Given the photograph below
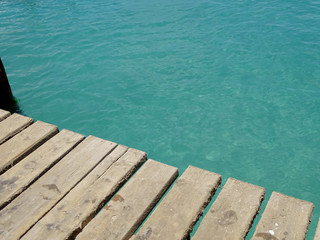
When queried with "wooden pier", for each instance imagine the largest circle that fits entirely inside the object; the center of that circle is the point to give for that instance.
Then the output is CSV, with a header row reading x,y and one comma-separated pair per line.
x,y
62,185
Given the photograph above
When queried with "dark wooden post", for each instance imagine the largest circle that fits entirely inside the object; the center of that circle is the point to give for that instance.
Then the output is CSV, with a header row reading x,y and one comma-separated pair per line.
x,y
7,101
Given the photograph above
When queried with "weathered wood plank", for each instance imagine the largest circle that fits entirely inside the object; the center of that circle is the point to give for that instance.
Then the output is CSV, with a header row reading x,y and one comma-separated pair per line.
x,y
284,218
16,179
177,213
317,234
126,211
32,204
232,213
12,125
24,142
73,212
4,114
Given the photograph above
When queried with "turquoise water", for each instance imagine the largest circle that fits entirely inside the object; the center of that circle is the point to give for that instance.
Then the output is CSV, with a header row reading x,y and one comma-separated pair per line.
x,y
229,86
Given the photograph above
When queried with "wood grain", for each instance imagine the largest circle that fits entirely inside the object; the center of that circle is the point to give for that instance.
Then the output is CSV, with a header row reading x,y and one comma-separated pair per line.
x,y
31,205
284,218
17,147
4,114
177,213
12,125
73,212
317,234
125,212
18,178
232,213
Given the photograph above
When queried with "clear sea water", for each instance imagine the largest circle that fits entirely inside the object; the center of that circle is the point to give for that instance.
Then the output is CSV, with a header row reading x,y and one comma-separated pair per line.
x,y
229,86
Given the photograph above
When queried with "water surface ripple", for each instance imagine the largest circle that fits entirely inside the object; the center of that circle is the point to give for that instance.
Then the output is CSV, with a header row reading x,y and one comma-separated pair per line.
x,y
229,86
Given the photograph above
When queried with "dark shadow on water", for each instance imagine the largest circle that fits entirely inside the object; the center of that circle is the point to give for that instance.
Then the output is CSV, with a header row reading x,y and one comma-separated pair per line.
x,y
7,100
12,106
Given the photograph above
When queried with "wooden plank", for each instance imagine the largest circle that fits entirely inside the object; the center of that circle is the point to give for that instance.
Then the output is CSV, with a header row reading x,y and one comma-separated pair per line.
x,y
317,234
73,212
4,114
23,143
12,125
31,205
16,179
127,210
232,213
177,213
284,218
